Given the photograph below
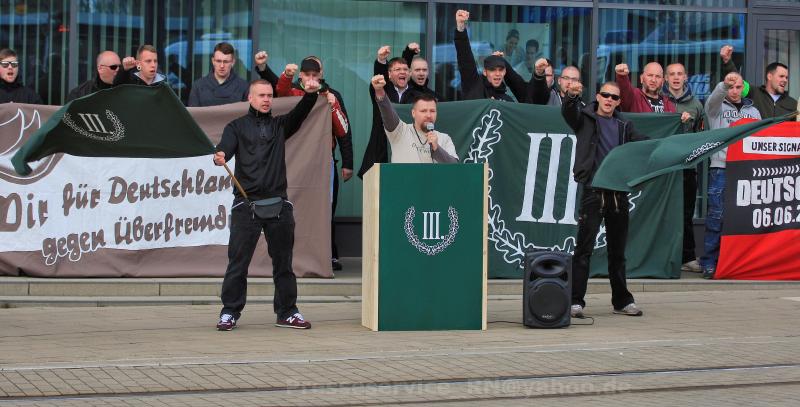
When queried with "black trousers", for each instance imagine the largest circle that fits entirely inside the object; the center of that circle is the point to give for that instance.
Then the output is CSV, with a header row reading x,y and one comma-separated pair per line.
x,y
689,197
245,232
598,205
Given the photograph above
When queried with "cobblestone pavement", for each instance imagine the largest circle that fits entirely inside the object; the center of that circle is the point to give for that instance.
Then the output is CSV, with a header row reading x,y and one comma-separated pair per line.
x,y
698,348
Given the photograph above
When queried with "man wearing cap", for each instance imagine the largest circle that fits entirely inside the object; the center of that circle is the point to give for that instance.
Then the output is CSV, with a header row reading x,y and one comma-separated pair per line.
x,y
417,142
11,89
221,86
108,65
473,86
311,69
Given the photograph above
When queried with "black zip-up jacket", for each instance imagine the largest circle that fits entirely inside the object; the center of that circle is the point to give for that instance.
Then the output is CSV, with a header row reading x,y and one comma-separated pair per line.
x,y
17,93
87,88
473,85
258,140
584,122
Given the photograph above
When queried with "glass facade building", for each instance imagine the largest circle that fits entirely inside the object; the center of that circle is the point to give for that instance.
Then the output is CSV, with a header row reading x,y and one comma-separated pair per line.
x,y
57,41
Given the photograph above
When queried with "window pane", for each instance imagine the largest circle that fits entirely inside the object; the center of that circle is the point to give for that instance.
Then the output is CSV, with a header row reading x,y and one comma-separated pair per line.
x,y
638,37
38,32
701,3
782,46
346,35
562,34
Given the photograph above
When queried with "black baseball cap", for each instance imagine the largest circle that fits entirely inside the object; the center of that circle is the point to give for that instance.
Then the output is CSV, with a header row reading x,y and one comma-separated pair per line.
x,y
494,62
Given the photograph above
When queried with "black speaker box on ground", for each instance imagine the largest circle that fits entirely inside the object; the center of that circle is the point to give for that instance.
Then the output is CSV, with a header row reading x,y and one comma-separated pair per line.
x,y
547,290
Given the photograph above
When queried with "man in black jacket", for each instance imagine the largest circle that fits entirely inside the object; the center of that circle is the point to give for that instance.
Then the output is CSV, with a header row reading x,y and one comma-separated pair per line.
x,y
11,90
221,86
598,129
108,65
473,86
258,142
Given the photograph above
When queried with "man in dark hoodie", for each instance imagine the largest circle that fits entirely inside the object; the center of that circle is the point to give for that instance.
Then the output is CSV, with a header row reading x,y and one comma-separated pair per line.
x,y
221,86
146,64
418,85
396,74
108,65
473,86
11,90
772,98
599,129
681,96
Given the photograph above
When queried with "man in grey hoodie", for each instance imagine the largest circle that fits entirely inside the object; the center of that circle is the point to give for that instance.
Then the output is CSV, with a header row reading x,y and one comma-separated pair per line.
x,y
724,107
675,88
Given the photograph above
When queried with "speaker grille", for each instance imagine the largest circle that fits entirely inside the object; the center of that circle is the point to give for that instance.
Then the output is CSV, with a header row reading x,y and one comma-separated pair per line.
x,y
548,303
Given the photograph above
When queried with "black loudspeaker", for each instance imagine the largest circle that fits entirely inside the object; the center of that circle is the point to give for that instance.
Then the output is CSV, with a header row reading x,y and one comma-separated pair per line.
x,y
547,291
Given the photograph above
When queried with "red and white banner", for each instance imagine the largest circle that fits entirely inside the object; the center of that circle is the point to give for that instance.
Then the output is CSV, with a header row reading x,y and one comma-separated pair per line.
x,y
761,216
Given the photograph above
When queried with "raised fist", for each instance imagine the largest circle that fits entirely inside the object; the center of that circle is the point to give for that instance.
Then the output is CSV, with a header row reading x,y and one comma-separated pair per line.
x,y
290,70
261,59
622,70
540,66
726,52
378,82
311,85
731,78
574,89
414,47
383,53
128,63
461,19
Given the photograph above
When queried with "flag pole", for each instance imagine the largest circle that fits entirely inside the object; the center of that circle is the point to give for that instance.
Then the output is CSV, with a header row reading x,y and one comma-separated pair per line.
x,y
235,181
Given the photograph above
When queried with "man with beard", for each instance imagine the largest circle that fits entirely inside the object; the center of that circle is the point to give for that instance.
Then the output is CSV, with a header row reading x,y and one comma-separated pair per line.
x,y
599,129
648,99
681,95
11,90
772,98
108,65
396,75
221,86
473,86
146,63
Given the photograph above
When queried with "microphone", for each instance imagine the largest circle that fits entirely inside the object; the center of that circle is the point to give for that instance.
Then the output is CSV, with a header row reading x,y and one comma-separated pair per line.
x,y
429,128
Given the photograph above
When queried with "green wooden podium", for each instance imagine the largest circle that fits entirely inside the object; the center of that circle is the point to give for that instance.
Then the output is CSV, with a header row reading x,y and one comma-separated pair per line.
x,y
424,247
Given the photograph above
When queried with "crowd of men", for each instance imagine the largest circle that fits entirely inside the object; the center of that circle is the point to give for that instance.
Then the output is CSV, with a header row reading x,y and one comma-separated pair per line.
x,y
259,137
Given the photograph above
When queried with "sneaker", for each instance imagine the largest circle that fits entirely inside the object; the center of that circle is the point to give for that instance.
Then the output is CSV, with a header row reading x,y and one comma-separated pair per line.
x,y
576,311
335,265
691,266
295,321
226,322
631,309
708,273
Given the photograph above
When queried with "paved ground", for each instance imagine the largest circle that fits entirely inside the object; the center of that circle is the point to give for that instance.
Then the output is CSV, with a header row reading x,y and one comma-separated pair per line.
x,y
690,348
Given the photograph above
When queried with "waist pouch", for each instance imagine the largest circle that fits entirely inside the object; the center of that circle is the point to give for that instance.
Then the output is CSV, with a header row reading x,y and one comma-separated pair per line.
x,y
269,208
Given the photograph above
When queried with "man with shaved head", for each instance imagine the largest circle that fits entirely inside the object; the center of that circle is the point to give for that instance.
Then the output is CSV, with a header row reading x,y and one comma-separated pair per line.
x,y
648,98
108,65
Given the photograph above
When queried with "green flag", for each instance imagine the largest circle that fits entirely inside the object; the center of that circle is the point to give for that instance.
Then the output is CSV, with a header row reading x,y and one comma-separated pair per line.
x,y
125,121
634,163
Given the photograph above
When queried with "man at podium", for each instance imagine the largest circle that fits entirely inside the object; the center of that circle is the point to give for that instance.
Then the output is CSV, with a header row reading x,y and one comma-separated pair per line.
x,y
417,142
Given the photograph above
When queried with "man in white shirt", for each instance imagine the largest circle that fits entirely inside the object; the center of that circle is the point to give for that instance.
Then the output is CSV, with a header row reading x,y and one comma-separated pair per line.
x,y
417,142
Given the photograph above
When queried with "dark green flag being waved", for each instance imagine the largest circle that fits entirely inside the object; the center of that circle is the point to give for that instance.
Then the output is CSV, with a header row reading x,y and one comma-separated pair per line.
x,y
126,121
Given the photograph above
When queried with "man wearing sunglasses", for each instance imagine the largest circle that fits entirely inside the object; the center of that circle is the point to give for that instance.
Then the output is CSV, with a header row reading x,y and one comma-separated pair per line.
x,y
599,129
108,64
11,90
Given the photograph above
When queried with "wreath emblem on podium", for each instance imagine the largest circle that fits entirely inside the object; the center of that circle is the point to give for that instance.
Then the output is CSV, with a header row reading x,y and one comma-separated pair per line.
x,y
424,248
512,245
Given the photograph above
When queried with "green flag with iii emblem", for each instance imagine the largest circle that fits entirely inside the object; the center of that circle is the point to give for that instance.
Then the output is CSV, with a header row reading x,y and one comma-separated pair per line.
x,y
533,198
125,121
